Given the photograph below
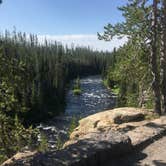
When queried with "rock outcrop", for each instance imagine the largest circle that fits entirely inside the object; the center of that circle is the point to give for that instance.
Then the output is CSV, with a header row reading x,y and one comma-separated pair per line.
x,y
96,149
107,120
101,137
20,158
138,124
147,132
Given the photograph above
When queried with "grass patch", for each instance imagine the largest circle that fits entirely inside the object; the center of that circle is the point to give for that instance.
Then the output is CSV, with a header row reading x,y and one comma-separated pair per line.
x,y
77,87
77,91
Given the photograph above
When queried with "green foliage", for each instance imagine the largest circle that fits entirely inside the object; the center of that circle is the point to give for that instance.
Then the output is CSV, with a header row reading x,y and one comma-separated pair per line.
x,y
73,125
33,79
130,63
59,144
115,90
129,74
77,91
77,84
77,87
132,100
43,145
105,82
34,76
144,26
14,137
136,24
151,116
149,104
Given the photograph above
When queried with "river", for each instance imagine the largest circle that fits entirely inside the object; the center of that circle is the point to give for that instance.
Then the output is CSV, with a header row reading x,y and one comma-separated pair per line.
x,y
95,97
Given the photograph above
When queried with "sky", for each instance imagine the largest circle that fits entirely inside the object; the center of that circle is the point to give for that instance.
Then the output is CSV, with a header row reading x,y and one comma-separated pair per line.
x,y
67,21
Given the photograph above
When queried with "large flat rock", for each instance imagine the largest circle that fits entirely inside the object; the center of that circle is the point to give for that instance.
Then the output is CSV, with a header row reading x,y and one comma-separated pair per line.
x,y
107,120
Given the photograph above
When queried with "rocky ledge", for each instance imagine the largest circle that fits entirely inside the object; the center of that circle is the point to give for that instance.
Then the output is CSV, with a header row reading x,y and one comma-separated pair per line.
x,y
100,138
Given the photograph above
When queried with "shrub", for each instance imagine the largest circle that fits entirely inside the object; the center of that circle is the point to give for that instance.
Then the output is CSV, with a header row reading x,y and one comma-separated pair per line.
x,y
14,137
77,91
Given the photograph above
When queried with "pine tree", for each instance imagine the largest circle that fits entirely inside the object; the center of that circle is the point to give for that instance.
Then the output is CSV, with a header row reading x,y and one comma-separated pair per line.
x,y
154,58
163,53
140,26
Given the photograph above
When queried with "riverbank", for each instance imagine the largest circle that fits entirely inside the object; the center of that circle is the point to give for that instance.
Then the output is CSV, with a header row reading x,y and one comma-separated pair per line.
x,y
103,138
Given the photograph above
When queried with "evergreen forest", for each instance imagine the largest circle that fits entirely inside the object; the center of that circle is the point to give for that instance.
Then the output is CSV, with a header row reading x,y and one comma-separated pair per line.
x,y
35,75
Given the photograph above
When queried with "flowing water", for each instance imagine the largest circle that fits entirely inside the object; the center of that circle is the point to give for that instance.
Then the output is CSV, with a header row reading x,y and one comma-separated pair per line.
x,y
95,97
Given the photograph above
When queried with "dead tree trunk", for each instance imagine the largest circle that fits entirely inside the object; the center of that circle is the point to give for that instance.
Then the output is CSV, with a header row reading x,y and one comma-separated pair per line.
x,y
153,61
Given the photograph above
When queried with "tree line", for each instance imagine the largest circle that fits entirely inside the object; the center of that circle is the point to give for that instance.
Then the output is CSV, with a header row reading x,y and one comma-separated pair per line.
x,y
34,76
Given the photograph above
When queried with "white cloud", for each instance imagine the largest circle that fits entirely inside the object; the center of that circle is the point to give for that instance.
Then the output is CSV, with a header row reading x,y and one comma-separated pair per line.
x,y
85,40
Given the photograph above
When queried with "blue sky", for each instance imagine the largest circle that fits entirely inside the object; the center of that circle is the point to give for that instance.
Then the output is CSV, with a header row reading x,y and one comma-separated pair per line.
x,y
64,20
